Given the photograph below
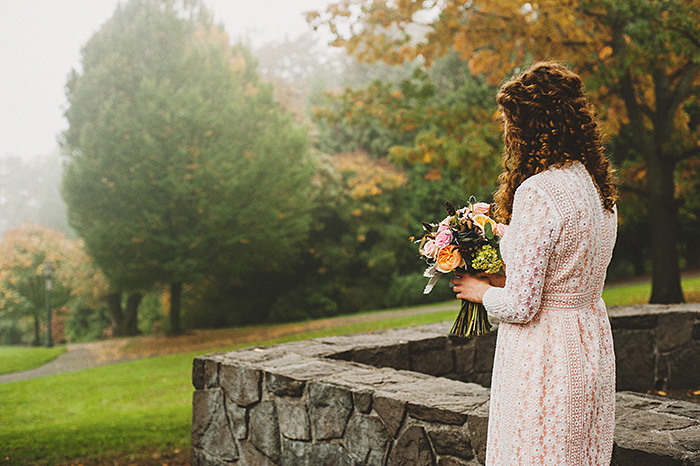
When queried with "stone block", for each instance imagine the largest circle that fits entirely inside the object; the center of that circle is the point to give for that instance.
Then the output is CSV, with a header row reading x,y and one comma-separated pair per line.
x,y
674,331
199,457
367,439
391,411
450,461
464,357
635,322
451,441
264,430
362,400
434,414
293,419
251,456
282,385
295,453
210,429
237,420
684,367
240,383
477,426
428,343
198,373
394,356
211,373
433,362
412,448
485,349
635,360
330,407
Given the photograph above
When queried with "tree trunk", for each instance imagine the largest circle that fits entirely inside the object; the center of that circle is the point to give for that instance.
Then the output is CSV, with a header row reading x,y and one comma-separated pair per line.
x,y
124,322
666,275
175,304
131,314
36,328
116,316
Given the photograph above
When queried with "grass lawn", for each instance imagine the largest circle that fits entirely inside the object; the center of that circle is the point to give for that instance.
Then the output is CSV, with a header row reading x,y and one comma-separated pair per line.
x,y
119,409
145,406
22,358
639,294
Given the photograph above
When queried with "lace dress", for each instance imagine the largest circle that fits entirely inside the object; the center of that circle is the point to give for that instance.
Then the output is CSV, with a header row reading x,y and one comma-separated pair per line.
x,y
553,386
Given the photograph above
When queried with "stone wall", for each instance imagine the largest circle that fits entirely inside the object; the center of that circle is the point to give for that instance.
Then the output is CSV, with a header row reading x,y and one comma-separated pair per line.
x,y
403,397
657,346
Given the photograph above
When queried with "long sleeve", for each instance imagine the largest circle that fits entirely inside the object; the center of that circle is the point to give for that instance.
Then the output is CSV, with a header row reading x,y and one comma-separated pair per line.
x,y
534,228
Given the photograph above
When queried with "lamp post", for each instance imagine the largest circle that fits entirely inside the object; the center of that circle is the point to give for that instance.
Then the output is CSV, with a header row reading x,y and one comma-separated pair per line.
x,y
48,269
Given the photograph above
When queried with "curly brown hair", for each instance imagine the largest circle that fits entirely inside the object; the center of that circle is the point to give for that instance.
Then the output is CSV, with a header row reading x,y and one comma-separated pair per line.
x,y
548,121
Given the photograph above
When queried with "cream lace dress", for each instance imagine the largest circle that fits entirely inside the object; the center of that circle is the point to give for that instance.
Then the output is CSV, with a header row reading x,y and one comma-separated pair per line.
x,y
553,387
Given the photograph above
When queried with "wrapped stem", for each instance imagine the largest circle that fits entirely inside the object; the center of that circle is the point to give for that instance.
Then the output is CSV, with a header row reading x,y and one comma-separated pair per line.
x,y
471,321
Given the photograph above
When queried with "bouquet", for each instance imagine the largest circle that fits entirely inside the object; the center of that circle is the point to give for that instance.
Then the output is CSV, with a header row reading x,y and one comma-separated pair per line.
x,y
467,239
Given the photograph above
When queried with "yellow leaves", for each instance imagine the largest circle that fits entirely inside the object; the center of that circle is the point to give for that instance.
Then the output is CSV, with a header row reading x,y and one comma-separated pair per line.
x,y
367,176
605,52
250,90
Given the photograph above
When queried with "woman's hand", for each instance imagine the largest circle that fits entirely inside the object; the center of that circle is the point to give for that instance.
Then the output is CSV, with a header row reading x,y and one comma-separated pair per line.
x,y
470,287
495,279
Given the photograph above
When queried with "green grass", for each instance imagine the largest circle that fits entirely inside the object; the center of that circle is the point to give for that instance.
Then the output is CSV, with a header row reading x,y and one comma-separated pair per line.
x,y
139,406
20,358
639,294
121,408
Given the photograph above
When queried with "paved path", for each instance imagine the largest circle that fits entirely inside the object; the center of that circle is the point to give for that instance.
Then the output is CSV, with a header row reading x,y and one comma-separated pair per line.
x,y
86,355
78,356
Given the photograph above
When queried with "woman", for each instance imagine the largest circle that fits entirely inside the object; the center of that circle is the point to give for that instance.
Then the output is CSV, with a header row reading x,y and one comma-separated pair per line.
x,y
553,387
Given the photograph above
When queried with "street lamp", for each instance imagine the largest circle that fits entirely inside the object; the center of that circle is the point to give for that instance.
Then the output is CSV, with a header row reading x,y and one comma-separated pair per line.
x,y
48,269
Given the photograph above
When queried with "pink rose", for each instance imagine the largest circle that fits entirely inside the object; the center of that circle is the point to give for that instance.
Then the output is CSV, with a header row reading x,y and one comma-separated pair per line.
x,y
480,207
443,238
443,226
429,249
501,229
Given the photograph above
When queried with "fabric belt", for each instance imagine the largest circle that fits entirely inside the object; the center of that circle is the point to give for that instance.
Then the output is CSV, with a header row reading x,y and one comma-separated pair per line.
x,y
567,301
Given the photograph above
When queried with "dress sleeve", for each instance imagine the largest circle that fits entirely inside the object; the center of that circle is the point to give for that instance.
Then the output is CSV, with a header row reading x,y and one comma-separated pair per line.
x,y
534,228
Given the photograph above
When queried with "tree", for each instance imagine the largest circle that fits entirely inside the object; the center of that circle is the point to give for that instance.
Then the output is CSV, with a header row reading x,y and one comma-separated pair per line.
x,y
181,165
24,251
441,117
640,58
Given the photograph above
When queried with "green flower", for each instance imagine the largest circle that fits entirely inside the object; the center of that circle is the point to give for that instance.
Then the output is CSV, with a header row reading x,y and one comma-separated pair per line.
x,y
487,259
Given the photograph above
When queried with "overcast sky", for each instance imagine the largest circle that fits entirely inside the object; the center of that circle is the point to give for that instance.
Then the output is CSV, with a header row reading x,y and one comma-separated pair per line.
x,y
40,42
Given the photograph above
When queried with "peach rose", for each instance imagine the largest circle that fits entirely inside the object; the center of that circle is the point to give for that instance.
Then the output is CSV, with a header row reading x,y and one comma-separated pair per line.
x,y
481,207
448,259
443,238
429,249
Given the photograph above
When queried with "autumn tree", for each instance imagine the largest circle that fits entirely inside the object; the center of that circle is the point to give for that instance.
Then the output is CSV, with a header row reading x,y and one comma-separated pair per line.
x,y
24,251
640,59
443,117
181,165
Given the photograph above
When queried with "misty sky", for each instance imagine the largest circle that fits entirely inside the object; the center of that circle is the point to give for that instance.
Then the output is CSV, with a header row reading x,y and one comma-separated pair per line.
x,y
40,42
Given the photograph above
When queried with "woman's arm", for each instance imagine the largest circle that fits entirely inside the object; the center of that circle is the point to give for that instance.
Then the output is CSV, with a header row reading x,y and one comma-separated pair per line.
x,y
533,231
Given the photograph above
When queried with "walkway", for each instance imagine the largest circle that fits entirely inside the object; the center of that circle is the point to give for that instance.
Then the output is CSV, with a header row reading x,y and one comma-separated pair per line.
x,y
86,355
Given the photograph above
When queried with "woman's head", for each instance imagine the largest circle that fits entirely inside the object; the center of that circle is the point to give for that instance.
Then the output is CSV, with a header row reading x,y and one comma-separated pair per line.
x,y
548,121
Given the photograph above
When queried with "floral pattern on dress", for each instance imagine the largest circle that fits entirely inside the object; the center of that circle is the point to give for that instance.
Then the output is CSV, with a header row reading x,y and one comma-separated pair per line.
x,y
553,386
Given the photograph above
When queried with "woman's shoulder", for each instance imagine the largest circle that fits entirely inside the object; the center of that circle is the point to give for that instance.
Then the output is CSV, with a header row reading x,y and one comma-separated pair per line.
x,y
552,186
